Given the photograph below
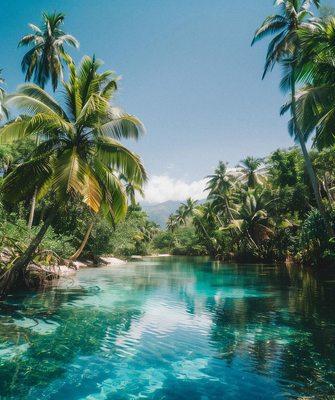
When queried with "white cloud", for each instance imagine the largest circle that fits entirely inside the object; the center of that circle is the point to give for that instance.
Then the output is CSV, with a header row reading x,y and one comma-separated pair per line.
x,y
161,188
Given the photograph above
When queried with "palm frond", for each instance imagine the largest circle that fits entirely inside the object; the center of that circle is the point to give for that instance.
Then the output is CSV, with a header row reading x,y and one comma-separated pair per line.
x,y
21,182
121,126
271,25
113,154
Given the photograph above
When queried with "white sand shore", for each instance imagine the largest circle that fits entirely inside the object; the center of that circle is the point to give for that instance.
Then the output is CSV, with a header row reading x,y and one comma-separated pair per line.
x,y
109,261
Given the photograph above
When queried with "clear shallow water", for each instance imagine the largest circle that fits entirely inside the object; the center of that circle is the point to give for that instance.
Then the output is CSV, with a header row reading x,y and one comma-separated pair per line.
x,y
172,329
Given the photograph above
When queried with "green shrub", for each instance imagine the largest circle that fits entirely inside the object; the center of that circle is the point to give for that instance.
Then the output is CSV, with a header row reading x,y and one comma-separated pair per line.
x,y
316,248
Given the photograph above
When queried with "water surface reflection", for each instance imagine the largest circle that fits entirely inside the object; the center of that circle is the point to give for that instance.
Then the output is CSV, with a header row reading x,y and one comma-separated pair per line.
x,y
172,329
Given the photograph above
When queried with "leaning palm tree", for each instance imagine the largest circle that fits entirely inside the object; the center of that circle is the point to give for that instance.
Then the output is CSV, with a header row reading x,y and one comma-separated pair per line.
x,y
78,154
284,49
45,59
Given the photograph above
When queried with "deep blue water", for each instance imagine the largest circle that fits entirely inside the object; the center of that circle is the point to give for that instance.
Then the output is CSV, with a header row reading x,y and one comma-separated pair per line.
x,y
172,329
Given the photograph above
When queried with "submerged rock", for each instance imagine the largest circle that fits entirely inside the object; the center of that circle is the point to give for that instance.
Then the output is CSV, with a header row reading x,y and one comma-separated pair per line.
x,y
51,271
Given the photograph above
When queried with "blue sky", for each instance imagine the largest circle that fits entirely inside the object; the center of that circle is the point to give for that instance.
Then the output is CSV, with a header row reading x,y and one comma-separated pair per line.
x,y
188,72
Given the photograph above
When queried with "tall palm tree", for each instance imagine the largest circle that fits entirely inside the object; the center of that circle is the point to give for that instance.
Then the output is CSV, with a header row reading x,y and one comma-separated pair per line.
x,y
3,108
44,60
315,100
219,186
284,49
172,223
79,154
251,171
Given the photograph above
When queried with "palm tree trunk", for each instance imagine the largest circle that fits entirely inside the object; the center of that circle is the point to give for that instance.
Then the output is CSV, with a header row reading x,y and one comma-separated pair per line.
x,y
213,249
83,243
228,209
33,199
251,239
23,261
15,277
32,209
326,189
220,222
308,162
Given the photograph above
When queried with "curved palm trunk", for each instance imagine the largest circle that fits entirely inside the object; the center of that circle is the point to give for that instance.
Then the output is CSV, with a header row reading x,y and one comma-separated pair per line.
x,y
32,209
308,162
213,250
228,209
83,243
251,239
15,277
220,222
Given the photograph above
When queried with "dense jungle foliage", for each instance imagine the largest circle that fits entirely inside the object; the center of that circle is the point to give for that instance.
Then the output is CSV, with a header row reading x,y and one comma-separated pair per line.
x,y
67,180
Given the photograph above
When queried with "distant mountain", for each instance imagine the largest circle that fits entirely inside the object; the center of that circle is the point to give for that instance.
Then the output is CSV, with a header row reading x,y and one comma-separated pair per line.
x,y
160,212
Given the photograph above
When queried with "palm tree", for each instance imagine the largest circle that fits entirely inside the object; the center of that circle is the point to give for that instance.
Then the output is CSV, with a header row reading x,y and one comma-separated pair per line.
x,y
192,211
79,154
220,181
202,217
83,243
44,60
219,186
181,215
284,49
315,101
251,171
172,223
252,216
189,207
131,190
3,107
147,232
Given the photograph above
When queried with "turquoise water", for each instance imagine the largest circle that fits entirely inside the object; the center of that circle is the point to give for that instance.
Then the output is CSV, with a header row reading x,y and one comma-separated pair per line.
x,y
172,329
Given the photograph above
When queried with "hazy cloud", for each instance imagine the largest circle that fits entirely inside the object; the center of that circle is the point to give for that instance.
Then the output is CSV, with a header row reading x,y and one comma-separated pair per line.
x,y
162,188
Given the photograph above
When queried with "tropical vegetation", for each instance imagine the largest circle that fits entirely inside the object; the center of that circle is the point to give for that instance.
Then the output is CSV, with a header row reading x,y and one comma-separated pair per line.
x,y
75,155
282,207
70,188
274,220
